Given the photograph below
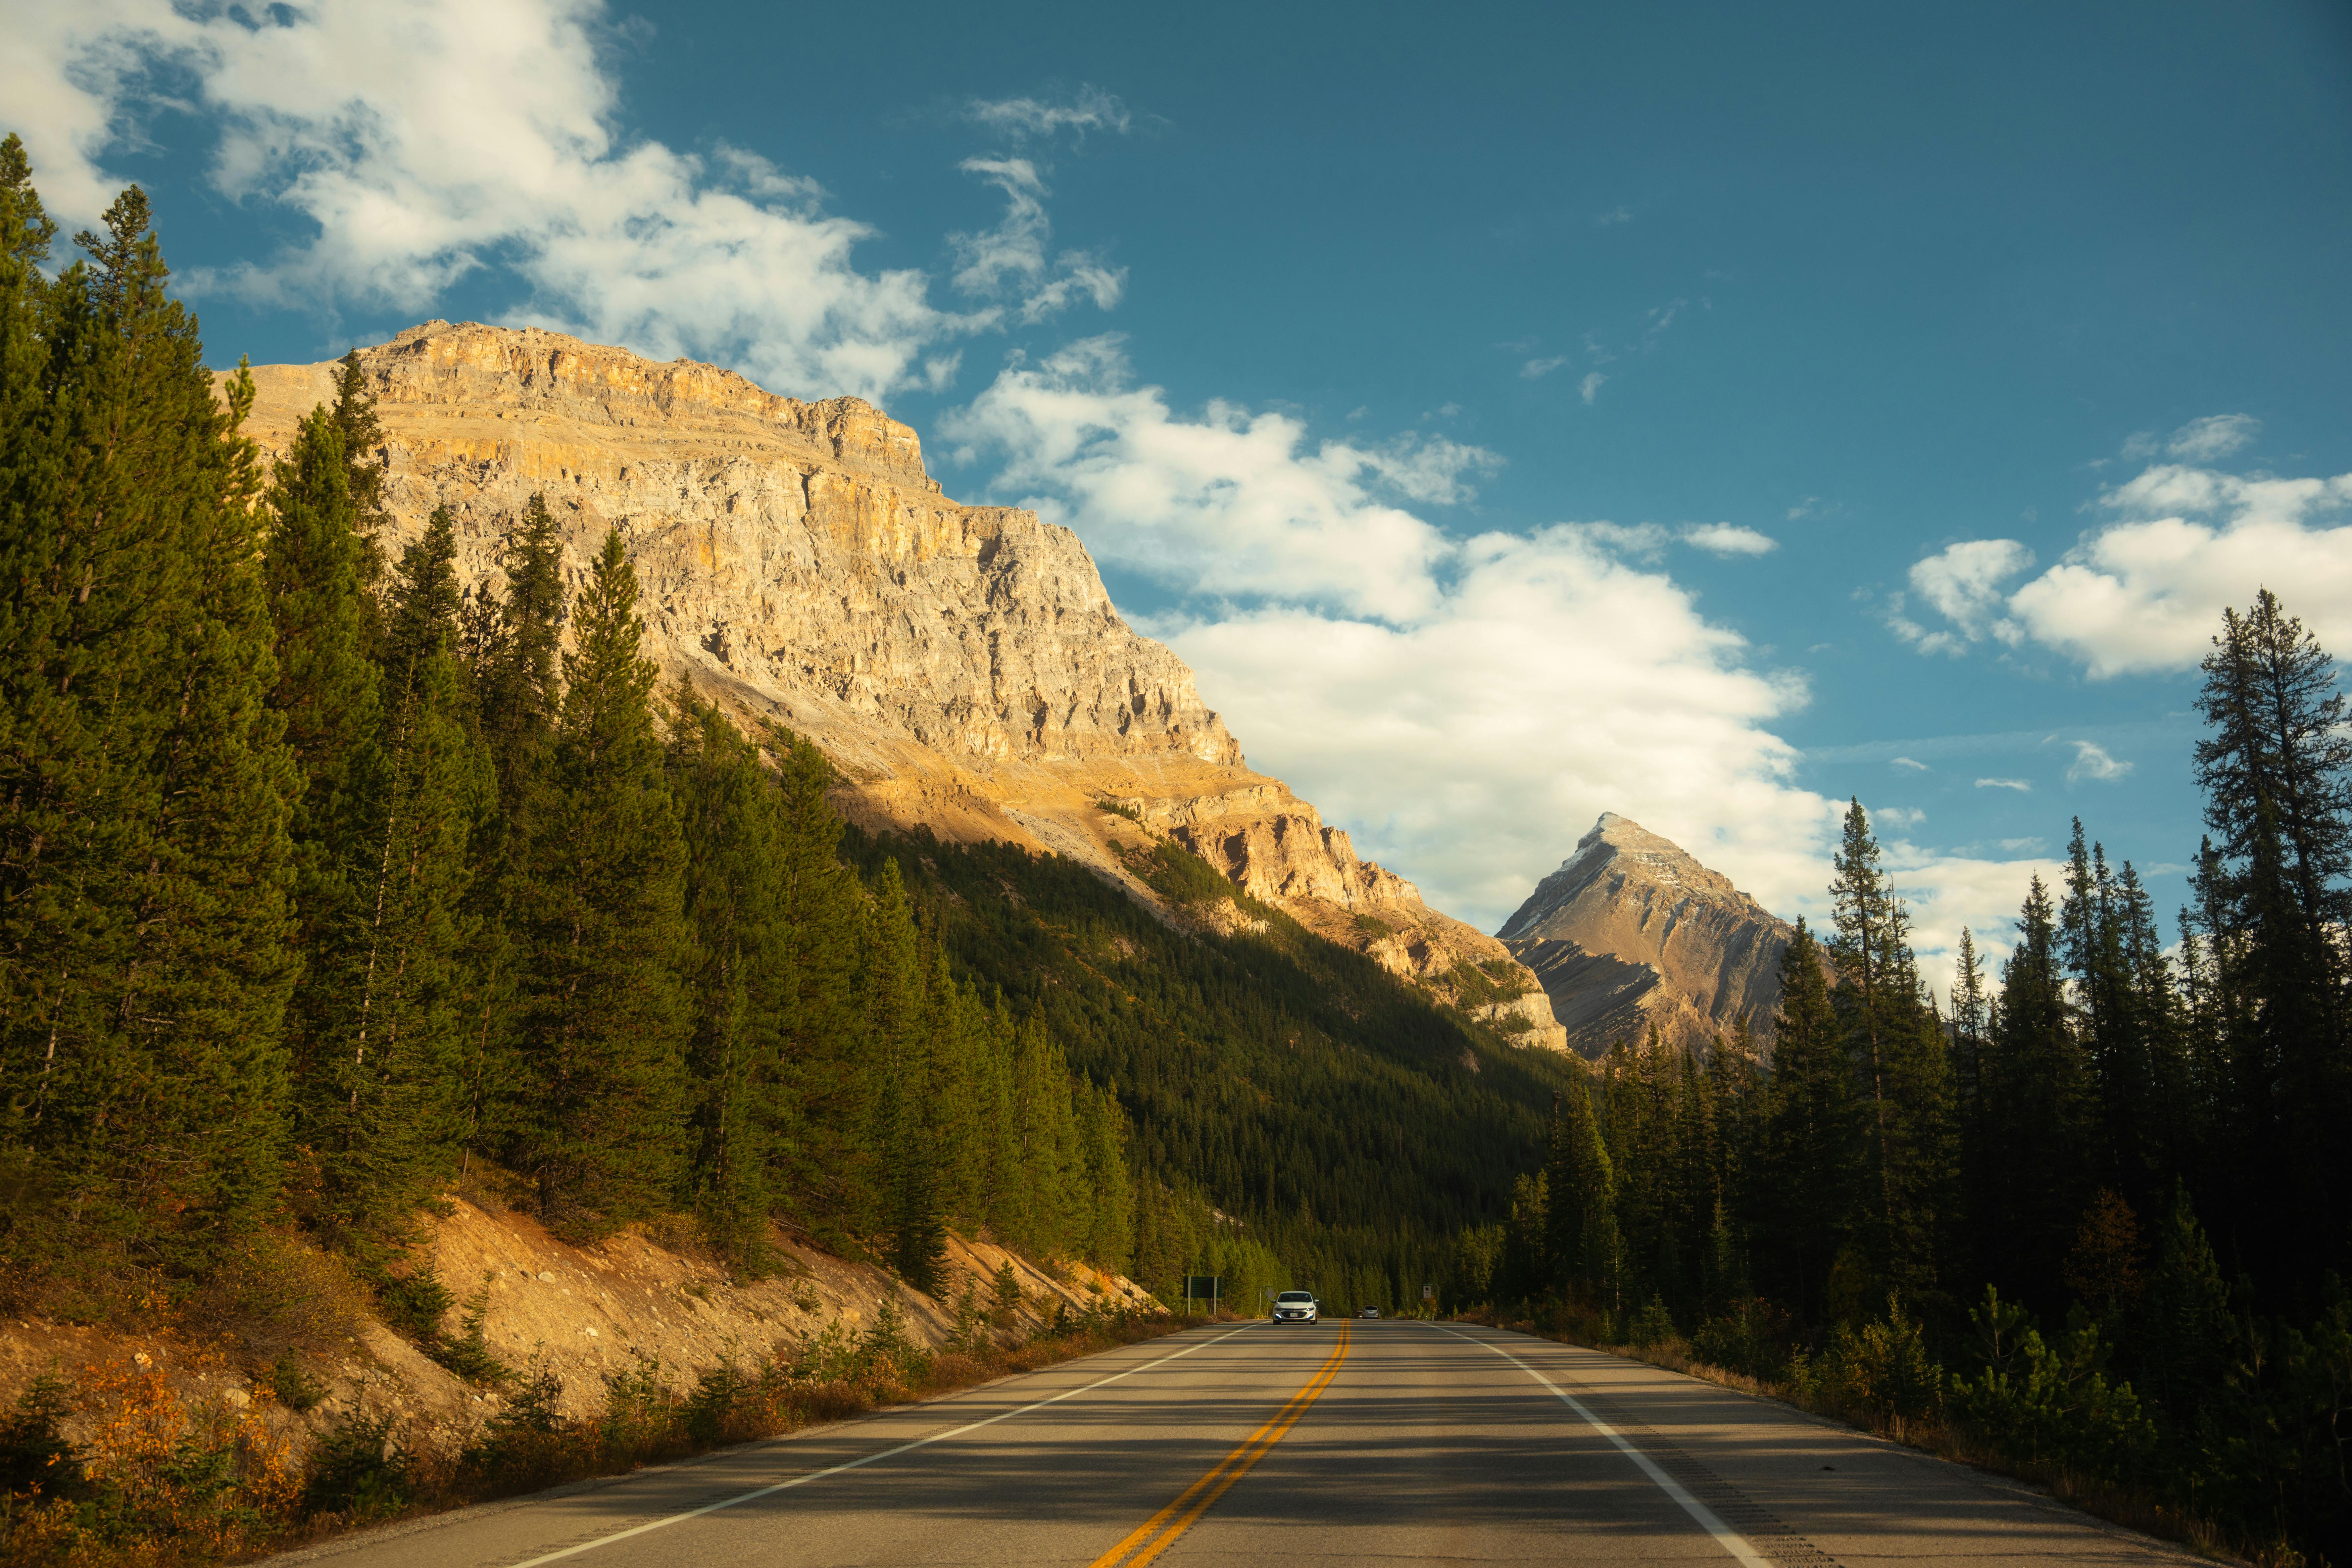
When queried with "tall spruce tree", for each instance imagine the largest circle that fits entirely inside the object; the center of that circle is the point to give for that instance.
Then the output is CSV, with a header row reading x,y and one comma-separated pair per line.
x,y
733,897
598,1118
143,866
2276,773
381,1104
1806,1189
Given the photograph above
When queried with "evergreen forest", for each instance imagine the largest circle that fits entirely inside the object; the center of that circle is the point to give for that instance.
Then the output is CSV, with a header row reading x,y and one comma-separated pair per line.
x,y
327,881
2090,1207
323,879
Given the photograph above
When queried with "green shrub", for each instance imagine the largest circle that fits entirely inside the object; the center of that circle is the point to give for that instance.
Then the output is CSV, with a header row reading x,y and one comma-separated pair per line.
x,y
359,1470
2041,1403
1883,1369
1651,1325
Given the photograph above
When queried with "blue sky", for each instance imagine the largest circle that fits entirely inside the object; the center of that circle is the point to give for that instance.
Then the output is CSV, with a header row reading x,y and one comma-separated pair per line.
x,y
1701,412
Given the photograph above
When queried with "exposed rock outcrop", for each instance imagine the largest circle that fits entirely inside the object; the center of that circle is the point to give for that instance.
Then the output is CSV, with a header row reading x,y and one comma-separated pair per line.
x,y
963,666
1631,931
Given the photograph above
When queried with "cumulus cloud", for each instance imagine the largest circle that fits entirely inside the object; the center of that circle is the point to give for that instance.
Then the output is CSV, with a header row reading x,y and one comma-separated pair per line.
x,y
2024,785
1590,387
430,141
2091,761
1230,503
1728,538
1963,583
2143,590
1090,109
1466,705
2146,591
1948,892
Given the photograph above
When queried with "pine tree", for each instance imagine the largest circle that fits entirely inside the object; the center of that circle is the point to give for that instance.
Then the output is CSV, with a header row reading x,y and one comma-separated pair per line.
x,y
2276,773
364,465
143,863
381,1105
1806,1188
1103,1139
326,696
2040,1112
902,1159
1580,1210
602,1097
734,892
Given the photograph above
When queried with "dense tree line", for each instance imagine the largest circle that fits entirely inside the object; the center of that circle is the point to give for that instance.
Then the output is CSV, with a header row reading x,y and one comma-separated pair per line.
x,y
2147,1145
321,877
1300,1115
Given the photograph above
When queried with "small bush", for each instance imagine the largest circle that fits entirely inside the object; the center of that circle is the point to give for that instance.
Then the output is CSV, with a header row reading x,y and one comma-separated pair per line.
x,y
294,1388
1651,1325
414,1303
469,1355
359,1471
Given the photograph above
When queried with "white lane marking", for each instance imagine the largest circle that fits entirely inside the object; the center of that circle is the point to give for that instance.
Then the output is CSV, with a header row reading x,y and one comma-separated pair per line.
x,y
1731,1539
868,1459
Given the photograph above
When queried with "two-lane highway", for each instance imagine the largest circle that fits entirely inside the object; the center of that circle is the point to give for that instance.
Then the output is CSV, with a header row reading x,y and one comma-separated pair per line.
x,y
1395,1442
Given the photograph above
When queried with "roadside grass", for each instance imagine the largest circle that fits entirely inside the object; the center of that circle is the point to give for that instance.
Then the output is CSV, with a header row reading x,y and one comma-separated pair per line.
x,y
160,1482
2133,1508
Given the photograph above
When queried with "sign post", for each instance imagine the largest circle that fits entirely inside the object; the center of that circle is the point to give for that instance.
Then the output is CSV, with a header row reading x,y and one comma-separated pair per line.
x,y
1207,1284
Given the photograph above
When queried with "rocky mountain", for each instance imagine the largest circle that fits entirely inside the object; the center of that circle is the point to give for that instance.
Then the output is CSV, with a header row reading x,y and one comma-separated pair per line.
x,y
963,666
1631,930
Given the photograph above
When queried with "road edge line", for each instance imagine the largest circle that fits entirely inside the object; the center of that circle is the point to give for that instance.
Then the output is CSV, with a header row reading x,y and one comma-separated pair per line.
x,y
1731,1539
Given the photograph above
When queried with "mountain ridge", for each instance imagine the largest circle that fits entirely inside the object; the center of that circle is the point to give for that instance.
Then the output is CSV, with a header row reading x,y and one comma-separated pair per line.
x,y
962,665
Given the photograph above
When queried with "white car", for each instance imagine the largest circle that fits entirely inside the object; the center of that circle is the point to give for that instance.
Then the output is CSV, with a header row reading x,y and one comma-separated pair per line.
x,y
1296,1307
1371,1311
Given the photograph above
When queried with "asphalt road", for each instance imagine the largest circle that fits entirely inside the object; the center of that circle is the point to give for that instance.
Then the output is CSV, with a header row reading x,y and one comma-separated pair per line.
x,y
1393,1442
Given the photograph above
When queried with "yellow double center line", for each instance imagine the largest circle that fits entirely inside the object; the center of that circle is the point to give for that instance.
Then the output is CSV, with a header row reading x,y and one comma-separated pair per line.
x,y
1158,1533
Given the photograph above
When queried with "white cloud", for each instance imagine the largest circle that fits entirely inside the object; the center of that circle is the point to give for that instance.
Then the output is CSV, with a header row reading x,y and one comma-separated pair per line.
x,y
1015,252
1613,216
2091,761
1465,705
2147,592
1090,109
1947,892
1590,387
1963,581
1535,369
2022,784
1908,762
2215,436
432,140
1226,504
1727,539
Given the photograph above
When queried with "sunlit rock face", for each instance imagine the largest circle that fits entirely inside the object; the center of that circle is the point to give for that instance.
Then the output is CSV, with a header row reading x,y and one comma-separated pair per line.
x,y
1631,931
963,666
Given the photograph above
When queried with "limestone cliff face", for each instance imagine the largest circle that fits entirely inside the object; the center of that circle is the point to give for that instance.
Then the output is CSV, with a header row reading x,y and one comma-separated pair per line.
x,y
963,666
1630,931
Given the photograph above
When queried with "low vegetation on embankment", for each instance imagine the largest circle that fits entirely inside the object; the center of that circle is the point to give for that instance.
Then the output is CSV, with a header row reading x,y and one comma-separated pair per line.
x,y
274,1408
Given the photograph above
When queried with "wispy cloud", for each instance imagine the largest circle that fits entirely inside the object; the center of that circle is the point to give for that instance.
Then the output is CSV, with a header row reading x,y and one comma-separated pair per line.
x,y
2215,436
1613,217
2093,762
1020,119
1728,538
1590,387
2020,784
1012,257
1909,763
1962,582
1535,369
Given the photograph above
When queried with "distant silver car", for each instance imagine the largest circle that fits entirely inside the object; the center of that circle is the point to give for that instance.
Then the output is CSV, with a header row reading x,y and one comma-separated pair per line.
x,y
1371,1312
1296,1307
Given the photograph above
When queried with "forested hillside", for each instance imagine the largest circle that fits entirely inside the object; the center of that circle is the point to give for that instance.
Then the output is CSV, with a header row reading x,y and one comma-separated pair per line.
x,y
324,879
2142,1148
319,878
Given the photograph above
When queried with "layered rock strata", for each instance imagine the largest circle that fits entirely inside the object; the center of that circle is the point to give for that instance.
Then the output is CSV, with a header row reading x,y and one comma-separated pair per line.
x,y
1631,931
963,666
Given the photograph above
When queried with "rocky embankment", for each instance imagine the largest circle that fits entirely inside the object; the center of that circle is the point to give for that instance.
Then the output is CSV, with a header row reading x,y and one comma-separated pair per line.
x,y
583,1313
1632,932
963,666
